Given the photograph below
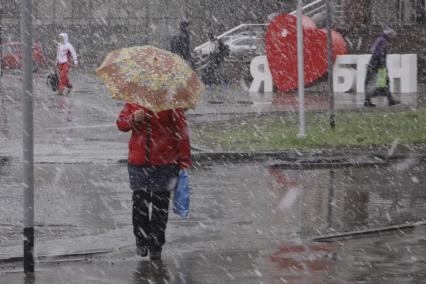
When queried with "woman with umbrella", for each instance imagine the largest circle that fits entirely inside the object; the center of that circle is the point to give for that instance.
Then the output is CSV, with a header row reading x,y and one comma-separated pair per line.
x,y
157,86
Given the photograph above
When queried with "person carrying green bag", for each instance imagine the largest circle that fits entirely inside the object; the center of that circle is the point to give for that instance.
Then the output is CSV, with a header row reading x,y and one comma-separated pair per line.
x,y
377,80
382,78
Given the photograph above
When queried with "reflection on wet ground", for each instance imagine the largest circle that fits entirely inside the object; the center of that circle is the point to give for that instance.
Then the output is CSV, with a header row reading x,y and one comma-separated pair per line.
x,y
153,272
234,99
249,223
353,198
396,258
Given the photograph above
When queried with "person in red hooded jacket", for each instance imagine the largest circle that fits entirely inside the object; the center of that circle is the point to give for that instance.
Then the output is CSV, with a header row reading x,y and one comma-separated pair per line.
x,y
159,148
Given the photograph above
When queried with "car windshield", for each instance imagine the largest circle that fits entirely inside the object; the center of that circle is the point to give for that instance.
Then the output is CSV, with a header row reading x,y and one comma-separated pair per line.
x,y
246,41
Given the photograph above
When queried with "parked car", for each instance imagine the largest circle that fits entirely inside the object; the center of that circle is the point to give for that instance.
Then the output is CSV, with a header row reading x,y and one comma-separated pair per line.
x,y
254,33
204,51
239,46
11,55
244,46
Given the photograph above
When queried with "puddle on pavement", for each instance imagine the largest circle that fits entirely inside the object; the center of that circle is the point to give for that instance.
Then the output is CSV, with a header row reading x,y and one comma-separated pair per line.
x,y
348,199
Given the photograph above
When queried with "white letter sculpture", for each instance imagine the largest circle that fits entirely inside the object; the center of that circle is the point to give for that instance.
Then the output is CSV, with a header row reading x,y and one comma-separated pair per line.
x,y
402,69
350,71
344,76
259,70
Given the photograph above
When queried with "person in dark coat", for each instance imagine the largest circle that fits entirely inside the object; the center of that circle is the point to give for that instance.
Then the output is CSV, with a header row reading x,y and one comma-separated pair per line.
x,y
378,60
223,52
180,43
209,65
159,148
213,70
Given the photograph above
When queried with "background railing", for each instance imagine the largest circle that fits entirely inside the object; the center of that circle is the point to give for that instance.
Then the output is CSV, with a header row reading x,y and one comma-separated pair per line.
x,y
312,9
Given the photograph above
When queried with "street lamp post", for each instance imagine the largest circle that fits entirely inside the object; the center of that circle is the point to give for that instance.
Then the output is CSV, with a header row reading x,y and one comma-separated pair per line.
x,y
1,53
301,75
332,110
1,41
28,133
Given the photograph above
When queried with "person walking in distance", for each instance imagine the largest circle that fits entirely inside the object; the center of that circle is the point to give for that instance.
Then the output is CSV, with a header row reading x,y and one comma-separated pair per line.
x,y
377,81
180,43
65,53
158,149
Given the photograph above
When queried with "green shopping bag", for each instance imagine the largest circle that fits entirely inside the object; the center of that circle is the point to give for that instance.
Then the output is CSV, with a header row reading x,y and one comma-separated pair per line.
x,y
382,76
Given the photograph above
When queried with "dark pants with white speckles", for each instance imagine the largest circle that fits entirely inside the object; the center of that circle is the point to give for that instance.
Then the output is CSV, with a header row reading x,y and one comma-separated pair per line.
x,y
150,230
151,185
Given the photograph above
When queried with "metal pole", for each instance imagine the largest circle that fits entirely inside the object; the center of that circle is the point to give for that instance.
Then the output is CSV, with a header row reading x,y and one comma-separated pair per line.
x,y
331,199
301,212
28,137
147,22
330,67
1,41
301,75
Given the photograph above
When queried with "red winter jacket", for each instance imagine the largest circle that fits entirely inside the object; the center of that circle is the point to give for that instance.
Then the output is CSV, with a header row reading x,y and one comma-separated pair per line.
x,y
161,139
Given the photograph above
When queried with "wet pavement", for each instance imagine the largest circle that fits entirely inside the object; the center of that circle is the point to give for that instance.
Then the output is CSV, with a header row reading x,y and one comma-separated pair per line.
x,y
394,259
247,225
75,128
250,222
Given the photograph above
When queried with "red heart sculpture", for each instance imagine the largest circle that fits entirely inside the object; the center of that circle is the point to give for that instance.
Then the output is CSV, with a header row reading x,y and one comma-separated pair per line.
x,y
281,51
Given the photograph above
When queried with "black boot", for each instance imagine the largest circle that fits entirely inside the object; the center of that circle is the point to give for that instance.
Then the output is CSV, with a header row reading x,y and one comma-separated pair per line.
x,y
142,251
141,248
155,253
368,103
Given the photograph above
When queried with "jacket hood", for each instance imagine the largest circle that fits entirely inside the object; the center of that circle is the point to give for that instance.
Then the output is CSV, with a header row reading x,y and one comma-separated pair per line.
x,y
388,31
64,36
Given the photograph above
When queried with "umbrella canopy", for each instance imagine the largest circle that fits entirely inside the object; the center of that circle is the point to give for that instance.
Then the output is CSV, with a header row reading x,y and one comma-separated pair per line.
x,y
151,77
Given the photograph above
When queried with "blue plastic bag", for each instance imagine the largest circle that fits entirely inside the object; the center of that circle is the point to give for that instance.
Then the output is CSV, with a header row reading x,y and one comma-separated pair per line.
x,y
182,195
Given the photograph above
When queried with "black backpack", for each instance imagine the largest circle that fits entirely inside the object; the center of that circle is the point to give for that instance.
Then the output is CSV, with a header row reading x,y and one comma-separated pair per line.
x,y
53,81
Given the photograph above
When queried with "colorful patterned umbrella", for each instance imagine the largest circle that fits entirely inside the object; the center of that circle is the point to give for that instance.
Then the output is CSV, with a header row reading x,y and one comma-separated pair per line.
x,y
151,77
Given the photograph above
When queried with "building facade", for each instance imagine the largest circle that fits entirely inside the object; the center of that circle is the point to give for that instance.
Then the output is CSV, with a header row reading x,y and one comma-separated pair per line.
x,y
98,26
